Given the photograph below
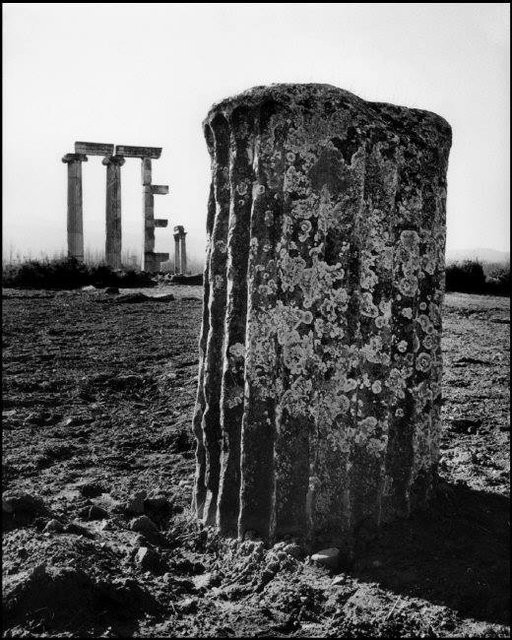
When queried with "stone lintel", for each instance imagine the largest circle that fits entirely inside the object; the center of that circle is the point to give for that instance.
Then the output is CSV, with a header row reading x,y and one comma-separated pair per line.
x,y
139,152
74,157
160,189
94,148
160,222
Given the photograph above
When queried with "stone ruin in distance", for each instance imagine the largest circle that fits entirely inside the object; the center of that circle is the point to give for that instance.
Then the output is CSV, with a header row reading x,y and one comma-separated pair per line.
x,y
114,160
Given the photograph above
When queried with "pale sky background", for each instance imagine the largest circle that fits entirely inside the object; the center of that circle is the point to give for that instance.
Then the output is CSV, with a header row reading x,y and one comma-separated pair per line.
x,y
146,74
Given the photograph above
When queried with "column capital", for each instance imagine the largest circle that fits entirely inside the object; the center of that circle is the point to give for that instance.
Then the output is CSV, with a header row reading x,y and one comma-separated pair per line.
x,y
74,157
119,160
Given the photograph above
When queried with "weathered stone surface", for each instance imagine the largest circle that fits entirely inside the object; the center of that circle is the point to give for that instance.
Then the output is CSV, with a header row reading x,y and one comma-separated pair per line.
x,y
318,407
177,247
151,260
94,148
139,152
146,171
113,211
75,225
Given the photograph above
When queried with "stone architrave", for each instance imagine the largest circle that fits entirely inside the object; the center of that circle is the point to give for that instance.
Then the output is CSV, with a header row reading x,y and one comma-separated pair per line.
x,y
113,211
94,148
75,225
138,152
319,397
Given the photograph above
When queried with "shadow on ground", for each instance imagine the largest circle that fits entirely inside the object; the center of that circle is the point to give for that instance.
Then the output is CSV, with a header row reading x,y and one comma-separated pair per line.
x,y
456,555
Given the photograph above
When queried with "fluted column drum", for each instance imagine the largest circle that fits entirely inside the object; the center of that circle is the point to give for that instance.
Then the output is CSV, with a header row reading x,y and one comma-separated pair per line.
x,y
318,407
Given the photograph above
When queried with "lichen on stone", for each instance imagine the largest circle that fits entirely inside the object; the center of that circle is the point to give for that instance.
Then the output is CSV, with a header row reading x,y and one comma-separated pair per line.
x,y
328,241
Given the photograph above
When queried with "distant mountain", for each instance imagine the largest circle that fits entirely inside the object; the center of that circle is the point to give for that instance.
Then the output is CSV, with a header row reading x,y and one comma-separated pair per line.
x,y
482,255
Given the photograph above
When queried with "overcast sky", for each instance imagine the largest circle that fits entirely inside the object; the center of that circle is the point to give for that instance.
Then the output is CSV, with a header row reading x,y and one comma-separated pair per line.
x,y
146,74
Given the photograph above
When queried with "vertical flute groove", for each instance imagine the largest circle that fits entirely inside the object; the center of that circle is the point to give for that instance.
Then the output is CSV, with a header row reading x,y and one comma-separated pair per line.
x,y
217,307
241,178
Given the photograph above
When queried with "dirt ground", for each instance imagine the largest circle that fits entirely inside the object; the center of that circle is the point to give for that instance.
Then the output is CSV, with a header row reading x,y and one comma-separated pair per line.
x,y
97,404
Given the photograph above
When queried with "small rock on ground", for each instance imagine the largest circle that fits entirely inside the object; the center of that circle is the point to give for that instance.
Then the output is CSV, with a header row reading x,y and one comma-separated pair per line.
x,y
143,524
148,560
329,558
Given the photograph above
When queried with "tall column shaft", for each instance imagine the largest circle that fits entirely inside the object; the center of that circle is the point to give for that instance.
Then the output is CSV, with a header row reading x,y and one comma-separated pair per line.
x,y
183,254
75,230
177,259
146,171
318,406
148,248
151,260
113,211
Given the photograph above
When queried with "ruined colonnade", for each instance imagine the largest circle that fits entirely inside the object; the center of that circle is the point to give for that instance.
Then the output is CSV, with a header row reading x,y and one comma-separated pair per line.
x,y
113,162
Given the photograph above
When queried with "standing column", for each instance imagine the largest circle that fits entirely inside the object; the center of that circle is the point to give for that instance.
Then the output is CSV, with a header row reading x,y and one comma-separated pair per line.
x,y
75,213
177,249
148,250
146,172
113,211
183,253
151,260
148,208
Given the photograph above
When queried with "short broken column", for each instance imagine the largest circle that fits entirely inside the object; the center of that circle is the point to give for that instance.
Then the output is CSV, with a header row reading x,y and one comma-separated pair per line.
x,y
319,396
113,211
75,225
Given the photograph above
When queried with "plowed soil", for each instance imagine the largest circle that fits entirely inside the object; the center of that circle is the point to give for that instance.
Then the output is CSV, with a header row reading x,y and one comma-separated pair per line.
x,y
98,398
